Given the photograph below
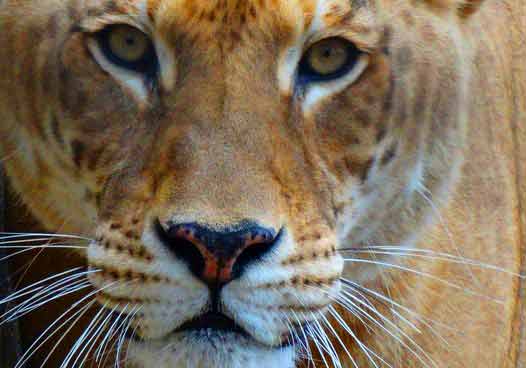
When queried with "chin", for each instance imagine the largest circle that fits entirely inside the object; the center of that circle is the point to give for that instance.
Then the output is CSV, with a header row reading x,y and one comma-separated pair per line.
x,y
208,348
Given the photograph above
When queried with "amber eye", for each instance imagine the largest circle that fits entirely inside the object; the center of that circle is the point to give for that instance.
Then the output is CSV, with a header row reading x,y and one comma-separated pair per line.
x,y
128,47
328,59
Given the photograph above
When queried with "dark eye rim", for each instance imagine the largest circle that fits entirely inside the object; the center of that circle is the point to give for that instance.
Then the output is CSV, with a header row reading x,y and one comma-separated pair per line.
x,y
147,65
306,74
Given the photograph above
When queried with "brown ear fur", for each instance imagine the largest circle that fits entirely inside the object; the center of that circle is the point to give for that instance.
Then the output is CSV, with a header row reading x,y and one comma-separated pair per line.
x,y
465,8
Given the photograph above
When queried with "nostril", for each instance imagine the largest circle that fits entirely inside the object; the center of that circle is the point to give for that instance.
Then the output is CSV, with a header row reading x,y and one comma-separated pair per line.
x,y
259,244
180,241
217,257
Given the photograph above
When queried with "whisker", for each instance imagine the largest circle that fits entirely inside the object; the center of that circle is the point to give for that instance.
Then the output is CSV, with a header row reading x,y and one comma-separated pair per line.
x,y
319,336
423,319
5,258
28,248
405,320
356,312
82,339
42,294
422,190
79,315
93,340
79,285
300,325
367,351
28,267
387,283
4,243
374,354
306,339
10,235
293,341
429,254
31,350
132,334
351,307
54,245
115,335
123,334
326,342
349,330
26,289
345,299
296,340
314,337
424,274
110,333
331,328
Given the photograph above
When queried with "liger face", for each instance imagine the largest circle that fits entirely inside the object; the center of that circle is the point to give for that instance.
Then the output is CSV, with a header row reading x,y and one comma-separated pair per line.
x,y
225,152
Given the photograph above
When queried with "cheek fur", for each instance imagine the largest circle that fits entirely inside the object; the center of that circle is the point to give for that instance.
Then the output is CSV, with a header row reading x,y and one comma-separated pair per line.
x,y
351,126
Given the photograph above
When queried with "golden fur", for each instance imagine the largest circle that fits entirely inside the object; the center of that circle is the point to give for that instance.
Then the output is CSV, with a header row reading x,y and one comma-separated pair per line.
x,y
426,147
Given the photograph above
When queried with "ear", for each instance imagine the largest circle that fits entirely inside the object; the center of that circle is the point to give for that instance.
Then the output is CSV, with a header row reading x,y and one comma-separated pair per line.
x,y
464,8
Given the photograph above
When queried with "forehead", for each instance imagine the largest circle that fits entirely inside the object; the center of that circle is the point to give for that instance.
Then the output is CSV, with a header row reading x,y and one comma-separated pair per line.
x,y
220,14
232,8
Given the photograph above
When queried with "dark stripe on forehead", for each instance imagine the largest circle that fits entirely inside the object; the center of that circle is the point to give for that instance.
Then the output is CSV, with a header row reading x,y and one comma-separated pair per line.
x,y
110,6
422,98
385,40
55,130
357,4
402,96
380,134
445,103
71,97
404,59
389,96
53,25
72,11
94,158
389,154
78,149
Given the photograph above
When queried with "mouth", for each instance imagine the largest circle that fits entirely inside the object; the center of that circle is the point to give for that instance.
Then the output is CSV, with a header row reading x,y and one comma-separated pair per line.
x,y
212,321
215,322
211,339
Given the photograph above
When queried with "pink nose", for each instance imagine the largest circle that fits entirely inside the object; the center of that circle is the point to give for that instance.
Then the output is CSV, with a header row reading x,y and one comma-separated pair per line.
x,y
218,257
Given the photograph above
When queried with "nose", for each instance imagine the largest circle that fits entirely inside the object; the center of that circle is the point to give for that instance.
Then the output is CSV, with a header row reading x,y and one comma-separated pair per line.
x,y
218,257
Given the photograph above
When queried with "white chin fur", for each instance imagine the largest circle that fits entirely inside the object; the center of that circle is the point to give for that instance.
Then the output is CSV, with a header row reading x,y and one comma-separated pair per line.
x,y
208,350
